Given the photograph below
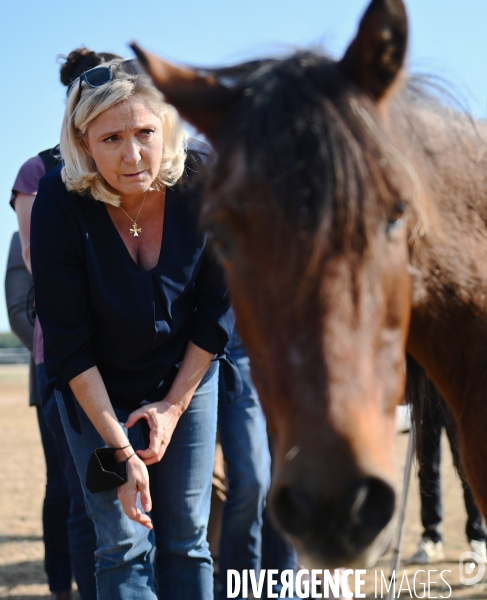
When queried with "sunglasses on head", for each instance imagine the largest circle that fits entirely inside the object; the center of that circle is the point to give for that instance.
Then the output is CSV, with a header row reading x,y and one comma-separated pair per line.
x,y
98,76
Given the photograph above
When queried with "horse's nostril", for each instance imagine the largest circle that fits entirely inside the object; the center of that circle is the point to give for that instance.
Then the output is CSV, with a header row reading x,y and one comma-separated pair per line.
x,y
342,526
372,506
293,510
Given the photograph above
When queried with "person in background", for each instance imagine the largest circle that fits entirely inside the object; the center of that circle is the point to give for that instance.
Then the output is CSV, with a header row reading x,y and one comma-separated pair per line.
x,y
135,316
248,540
243,437
69,536
19,296
435,419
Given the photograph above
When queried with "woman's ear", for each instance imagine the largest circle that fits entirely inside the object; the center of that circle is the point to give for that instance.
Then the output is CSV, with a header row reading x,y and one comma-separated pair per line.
x,y
83,138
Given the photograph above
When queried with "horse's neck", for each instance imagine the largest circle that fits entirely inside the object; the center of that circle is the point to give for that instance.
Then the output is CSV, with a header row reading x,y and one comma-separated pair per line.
x,y
449,264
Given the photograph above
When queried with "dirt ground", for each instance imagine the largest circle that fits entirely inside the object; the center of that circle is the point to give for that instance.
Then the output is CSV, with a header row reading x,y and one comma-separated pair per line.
x,y
22,474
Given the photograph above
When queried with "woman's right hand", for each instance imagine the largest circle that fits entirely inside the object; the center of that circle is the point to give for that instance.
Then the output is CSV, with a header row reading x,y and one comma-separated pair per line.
x,y
137,482
91,393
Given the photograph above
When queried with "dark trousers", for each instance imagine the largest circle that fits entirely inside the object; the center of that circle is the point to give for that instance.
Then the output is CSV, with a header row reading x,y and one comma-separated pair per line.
x,y
429,478
55,512
69,534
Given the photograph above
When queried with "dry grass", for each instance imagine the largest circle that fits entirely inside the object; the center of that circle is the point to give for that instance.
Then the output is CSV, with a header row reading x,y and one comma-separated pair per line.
x,y
22,472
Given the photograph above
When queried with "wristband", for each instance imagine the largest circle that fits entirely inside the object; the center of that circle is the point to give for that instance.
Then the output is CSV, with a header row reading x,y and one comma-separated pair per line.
x,y
122,448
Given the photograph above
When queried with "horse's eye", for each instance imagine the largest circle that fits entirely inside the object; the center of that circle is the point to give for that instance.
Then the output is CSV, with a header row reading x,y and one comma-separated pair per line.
x,y
222,241
395,216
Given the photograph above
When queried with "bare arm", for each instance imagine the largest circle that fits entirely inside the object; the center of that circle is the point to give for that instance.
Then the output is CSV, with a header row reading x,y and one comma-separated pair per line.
x,y
23,209
91,393
193,368
163,416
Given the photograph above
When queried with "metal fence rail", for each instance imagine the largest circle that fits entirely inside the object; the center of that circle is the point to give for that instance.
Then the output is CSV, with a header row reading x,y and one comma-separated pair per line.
x,y
10,356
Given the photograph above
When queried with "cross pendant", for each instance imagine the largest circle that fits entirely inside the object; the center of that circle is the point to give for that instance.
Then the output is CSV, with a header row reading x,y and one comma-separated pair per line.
x,y
136,230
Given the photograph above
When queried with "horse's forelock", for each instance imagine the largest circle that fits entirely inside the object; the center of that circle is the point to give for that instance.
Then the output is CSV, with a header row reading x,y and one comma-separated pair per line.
x,y
299,132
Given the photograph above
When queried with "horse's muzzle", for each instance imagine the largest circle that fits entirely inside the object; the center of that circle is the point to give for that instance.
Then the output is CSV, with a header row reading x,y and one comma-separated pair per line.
x,y
334,532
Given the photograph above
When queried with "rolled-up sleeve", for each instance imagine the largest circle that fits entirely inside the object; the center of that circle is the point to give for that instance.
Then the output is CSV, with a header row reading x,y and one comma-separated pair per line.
x,y
213,321
27,179
61,283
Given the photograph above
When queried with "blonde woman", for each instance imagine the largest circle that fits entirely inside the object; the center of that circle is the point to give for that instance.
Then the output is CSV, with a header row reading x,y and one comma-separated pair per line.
x,y
134,312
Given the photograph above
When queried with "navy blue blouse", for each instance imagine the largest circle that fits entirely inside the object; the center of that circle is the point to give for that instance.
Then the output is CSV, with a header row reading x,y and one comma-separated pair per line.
x,y
97,307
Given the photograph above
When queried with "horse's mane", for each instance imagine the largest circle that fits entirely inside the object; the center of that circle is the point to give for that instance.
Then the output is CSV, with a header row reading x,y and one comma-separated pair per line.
x,y
426,94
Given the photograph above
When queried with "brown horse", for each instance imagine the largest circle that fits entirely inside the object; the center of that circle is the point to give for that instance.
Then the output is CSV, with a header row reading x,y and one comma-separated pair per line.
x,y
349,210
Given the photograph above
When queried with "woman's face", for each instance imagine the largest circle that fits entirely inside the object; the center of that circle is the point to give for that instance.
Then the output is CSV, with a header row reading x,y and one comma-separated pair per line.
x,y
126,144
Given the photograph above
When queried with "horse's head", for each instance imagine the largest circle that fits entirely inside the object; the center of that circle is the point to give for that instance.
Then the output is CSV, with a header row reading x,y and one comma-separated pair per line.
x,y
305,206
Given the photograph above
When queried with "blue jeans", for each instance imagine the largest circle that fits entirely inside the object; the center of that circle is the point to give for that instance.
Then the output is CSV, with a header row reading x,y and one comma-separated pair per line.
x,y
277,553
70,536
180,489
248,540
243,436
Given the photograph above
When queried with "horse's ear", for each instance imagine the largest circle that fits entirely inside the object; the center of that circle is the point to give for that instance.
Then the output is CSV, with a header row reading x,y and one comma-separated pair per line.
x,y
376,56
199,98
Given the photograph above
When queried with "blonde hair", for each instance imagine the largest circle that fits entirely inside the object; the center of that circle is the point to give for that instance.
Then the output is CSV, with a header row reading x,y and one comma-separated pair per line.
x,y
79,172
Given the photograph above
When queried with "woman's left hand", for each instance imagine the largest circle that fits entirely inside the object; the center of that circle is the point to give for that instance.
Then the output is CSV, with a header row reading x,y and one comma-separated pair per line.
x,y
162,418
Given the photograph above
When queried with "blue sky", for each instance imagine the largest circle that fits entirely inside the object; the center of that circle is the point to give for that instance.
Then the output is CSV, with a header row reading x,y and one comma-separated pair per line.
x,y
447,39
